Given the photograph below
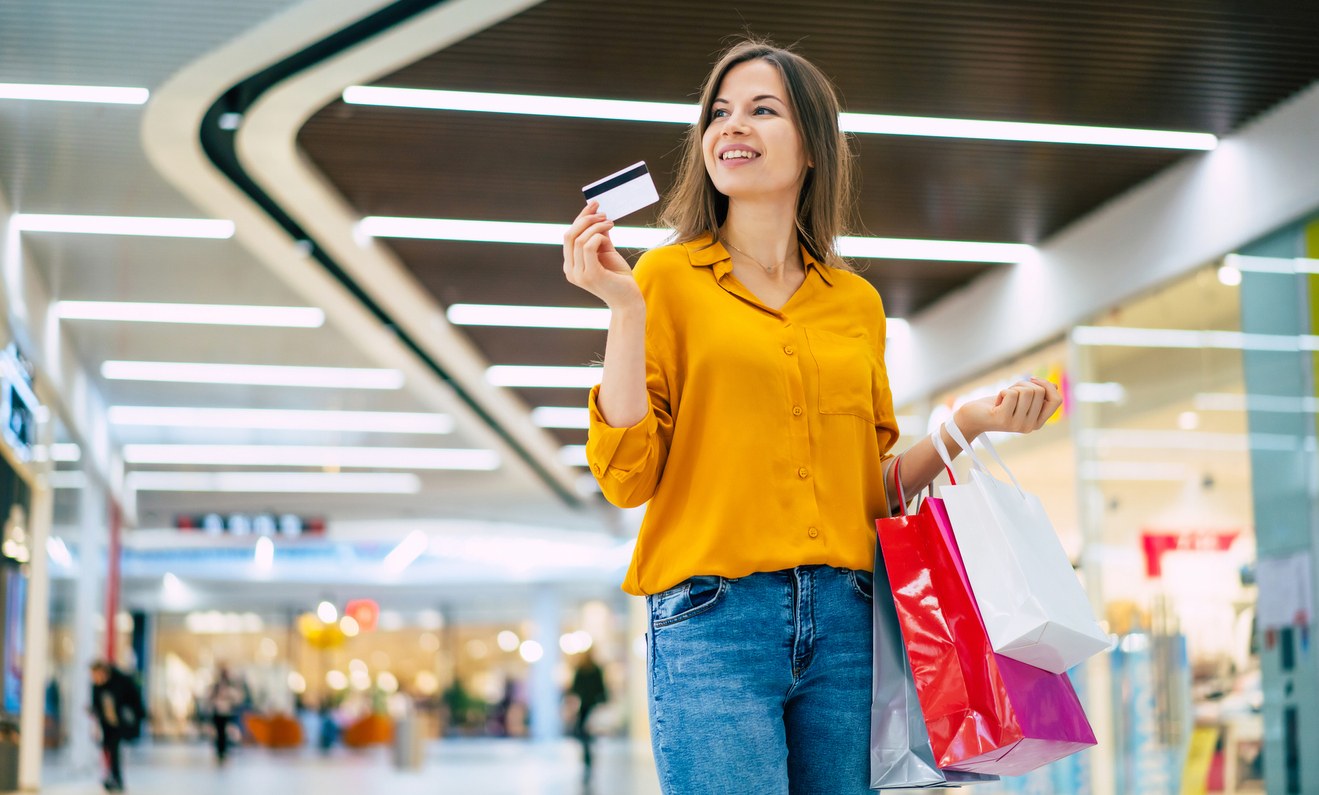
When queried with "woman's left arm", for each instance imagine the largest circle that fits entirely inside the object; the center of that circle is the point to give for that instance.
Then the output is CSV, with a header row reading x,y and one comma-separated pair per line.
x,y
1021,408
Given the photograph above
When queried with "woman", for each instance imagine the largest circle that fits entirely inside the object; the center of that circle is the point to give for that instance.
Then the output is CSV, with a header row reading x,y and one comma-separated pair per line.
x,y
744,396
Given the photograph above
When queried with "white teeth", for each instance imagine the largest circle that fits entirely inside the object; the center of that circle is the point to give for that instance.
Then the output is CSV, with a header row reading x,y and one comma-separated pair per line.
x,y
737,153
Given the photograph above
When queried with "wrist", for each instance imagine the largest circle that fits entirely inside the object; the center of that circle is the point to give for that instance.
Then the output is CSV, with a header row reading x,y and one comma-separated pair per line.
x,y
632,307
964,423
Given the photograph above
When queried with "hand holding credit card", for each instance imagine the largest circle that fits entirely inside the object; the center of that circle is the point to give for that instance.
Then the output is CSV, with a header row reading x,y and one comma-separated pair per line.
x,y
623,192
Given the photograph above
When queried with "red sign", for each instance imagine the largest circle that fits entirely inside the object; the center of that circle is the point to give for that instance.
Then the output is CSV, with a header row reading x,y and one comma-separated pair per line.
x,y
1155,544
365,612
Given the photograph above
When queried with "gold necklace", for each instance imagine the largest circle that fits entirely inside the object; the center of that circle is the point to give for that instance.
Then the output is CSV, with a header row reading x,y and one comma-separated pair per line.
x,y
769,271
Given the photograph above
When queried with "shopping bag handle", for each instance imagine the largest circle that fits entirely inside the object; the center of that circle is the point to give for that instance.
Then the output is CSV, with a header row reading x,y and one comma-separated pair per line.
x,y
897,480
942,450
960,438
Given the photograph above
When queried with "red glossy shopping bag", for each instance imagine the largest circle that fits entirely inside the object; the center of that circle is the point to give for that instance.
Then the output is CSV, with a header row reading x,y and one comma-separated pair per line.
x,y
985,713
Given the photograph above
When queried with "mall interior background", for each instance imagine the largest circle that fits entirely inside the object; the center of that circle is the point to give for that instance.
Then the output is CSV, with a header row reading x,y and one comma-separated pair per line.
x,y
1171,295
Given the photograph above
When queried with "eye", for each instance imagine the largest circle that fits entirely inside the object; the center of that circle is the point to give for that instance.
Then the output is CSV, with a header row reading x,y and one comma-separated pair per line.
x,y
718,113
765,109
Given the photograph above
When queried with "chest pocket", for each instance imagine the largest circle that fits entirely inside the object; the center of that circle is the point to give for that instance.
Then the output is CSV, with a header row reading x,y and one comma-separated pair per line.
x,y
845,371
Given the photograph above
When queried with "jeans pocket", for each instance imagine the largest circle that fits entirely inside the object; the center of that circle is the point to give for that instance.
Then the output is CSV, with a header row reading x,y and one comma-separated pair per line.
x,y
863,583
686,599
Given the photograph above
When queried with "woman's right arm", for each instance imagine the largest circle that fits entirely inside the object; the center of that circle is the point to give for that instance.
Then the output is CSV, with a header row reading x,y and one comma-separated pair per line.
x,y
626,446
591,262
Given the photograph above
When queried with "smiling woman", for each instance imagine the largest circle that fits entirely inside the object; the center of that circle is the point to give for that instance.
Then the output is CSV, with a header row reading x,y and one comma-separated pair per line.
x,y
745,398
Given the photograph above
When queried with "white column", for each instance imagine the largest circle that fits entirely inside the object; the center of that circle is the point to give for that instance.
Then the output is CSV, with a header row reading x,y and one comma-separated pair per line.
x,y
546,696
87,601
32,721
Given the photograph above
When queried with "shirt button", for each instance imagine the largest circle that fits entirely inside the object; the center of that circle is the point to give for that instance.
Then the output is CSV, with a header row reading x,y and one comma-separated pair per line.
x,y
788,349
812,532
803,472
596,469
796,411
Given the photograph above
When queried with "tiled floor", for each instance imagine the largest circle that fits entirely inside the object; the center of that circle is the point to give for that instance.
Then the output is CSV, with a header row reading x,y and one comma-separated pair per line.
x,y
460,767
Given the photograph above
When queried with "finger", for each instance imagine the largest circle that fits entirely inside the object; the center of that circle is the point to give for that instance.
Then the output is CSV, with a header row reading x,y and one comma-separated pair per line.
x,y
1034,407
588,262
1007,403
581,222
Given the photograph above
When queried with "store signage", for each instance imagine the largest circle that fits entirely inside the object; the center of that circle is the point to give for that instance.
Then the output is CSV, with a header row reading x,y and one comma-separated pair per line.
x,y
18,403
243,524
1156,544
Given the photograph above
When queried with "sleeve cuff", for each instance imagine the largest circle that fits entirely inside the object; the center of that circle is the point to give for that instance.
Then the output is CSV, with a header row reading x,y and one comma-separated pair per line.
x,y
622,449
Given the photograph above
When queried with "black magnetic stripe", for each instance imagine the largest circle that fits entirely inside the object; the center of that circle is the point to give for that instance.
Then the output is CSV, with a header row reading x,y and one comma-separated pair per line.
x,y
220,146
614,182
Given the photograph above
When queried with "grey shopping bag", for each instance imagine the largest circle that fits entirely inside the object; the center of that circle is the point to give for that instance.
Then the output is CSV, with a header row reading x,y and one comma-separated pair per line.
x,y
900,753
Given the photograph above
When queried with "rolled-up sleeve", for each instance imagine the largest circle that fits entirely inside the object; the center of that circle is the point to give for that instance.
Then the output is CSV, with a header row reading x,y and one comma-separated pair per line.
x,y
627,462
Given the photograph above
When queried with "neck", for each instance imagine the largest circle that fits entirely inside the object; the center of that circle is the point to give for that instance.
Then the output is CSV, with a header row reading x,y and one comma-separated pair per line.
x,y
765,231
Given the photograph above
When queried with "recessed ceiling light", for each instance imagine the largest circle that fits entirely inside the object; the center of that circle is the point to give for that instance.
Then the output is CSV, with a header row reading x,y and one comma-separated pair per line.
x,y
253,375
112,95
204,314
282,419
207,228
528,316
638,237
277,482
310,456
537,376
561,417
679,113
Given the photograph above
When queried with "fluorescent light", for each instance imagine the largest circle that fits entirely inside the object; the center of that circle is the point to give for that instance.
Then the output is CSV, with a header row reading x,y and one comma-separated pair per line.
x,y
206,314
1118,336
942,250
1278,265
896,327
311,456
498,231
125,225
1281,404
681,113
109,95
640,237
282,419
70,479
277,482
574,455
561,417
522,104
528,316
264,555
64,452
537,376
407,552
254,375
1106,392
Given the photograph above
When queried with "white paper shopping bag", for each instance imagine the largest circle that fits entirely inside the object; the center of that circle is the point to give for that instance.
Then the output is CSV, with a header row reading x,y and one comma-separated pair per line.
x,y
1032,603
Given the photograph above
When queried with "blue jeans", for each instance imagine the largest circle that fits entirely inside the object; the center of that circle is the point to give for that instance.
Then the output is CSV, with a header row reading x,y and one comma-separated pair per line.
x,y
762,684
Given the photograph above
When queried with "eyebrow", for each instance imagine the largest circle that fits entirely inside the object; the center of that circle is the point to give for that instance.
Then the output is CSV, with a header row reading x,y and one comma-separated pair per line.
x,y
717,100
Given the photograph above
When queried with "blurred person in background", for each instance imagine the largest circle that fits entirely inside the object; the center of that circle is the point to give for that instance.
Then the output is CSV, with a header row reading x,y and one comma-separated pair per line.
x,y
588,686
745,399
117,704
223,702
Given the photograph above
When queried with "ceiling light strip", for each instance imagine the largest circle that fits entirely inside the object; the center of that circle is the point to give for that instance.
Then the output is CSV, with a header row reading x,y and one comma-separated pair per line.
x,y
864,123
201,314
310,456
253,375
277,482
281,419
571,417
203,228
534,376
106,95
1126,337
635,237
528,316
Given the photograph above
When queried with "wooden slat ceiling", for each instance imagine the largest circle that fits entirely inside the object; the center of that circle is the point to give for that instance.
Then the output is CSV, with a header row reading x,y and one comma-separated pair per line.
x,y
1194,65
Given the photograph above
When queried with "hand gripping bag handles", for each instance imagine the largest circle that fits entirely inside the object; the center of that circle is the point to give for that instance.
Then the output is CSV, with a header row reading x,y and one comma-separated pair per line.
x,y
900,753
984,713
1033,605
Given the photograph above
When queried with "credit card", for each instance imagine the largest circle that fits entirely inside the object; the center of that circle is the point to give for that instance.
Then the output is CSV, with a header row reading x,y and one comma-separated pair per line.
x,y
623,192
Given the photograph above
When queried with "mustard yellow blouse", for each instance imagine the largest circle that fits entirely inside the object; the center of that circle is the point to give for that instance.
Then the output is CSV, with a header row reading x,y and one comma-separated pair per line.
x,y
765,442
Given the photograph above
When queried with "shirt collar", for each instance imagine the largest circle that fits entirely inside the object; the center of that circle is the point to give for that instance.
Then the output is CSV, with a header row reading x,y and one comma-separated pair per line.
x,y
704,251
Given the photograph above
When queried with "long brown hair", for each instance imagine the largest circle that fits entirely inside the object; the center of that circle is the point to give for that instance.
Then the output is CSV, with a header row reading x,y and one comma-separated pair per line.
x,y
694,207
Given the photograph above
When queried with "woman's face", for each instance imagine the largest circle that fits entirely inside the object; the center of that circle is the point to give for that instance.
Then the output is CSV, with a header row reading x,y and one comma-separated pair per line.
x,y
752,147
